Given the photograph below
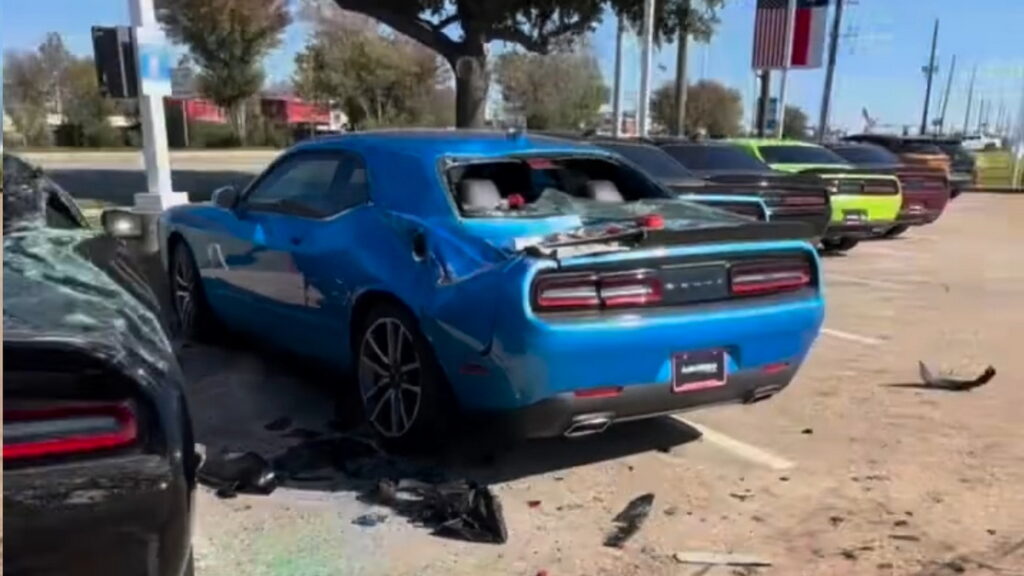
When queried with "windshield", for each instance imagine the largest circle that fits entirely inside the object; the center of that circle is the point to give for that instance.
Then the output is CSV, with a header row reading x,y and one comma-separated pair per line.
x,y
653,160
800,155
703,157
866,154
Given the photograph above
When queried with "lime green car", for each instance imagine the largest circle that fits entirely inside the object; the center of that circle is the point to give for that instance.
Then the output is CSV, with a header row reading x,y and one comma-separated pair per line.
x,y
864,205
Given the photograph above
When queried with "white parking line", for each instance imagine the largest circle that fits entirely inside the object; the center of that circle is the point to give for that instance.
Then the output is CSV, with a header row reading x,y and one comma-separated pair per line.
x,y
877,283
740,449
852,337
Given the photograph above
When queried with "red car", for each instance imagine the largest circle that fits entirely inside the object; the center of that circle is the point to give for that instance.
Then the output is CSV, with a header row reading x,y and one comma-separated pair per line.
x,y
926,189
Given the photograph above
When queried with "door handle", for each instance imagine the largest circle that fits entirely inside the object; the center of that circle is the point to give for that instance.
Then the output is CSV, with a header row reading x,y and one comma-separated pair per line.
x,y
296,240
419,246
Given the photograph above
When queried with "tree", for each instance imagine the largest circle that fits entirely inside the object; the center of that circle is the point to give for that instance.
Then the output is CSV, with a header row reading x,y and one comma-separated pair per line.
x,y
795,123
528,86
25,96
459,31
55,61
228,40
378,79
86,111
710,106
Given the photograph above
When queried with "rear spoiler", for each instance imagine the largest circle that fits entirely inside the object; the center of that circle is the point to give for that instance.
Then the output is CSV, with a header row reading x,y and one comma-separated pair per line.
x,y
664,238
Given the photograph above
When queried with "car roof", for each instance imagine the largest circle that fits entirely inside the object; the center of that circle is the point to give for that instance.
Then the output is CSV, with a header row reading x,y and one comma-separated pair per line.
x,y
440,142
759,142
900,138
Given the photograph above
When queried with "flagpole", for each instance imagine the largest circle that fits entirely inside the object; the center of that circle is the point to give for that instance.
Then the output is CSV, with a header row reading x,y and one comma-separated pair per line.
x,y
790,20
620,31
643,106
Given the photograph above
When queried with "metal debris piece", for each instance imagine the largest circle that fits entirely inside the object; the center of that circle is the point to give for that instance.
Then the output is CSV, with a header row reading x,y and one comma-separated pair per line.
x,y
628,521
726,559
955,384
905,537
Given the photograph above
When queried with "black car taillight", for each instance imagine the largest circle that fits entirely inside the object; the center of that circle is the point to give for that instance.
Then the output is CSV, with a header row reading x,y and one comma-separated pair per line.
x,y
68,429
769,277
593,291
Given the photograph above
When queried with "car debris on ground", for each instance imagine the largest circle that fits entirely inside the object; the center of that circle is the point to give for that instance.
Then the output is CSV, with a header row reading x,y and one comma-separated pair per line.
x,y
931,380
460,510
628,521
230,473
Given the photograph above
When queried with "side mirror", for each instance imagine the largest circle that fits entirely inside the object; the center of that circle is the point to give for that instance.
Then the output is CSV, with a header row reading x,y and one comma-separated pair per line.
x,y
122,223
225,197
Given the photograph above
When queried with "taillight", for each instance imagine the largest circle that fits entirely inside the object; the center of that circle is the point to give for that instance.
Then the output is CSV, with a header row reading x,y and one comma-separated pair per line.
x,y
591,291
68,429
568,292
630,289
759,278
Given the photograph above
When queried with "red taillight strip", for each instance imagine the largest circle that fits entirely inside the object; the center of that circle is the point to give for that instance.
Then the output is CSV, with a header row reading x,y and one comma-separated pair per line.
x,y
122,413
764,278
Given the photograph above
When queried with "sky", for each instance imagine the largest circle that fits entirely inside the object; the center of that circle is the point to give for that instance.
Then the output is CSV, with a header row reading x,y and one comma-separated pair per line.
x,y
883,46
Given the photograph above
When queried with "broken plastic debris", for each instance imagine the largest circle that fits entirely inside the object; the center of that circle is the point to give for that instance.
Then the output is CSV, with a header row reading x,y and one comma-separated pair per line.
x,y
628,521
370,520
232,472
955,384
461,510
716,559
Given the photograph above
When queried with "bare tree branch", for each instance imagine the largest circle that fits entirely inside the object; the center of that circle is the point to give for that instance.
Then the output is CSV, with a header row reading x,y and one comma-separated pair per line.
x,y
416,28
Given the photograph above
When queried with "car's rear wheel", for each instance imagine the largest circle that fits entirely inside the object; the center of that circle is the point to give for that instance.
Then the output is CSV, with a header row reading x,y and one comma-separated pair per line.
x,y
838,244
191,310
403,390
895,231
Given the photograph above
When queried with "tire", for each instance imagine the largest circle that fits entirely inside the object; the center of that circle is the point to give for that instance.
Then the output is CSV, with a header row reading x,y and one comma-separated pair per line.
x,y
403,391
841,244
192,312
895,231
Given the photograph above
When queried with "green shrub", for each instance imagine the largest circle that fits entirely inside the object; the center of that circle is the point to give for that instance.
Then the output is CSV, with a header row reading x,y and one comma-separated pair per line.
x,y
203,135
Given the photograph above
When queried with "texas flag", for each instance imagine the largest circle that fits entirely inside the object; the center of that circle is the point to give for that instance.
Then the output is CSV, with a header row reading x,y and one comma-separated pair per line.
x,y
809,33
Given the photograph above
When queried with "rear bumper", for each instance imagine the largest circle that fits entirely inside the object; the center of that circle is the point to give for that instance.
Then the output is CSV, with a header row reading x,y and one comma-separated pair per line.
x,y
568,415
917,217
121,515
858,231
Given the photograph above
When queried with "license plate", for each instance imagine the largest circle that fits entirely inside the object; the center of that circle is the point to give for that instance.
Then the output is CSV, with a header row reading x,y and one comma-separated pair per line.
x,y
854,215
698,370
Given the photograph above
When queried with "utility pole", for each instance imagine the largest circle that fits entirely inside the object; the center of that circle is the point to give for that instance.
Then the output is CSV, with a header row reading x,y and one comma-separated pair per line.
x,y
945,96
620,31
682,54
762,102
643,106
790,24
970,98
930,72
830,70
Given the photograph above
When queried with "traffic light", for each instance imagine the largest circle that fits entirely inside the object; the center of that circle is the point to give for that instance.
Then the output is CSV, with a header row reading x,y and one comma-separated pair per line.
x,y
114,53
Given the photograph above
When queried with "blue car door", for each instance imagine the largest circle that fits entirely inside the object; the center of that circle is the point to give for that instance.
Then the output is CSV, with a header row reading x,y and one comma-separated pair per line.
x,y
273,218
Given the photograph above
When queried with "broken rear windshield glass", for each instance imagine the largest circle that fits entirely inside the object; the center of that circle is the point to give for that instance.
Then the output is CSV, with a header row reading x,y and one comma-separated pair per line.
x,y
594,187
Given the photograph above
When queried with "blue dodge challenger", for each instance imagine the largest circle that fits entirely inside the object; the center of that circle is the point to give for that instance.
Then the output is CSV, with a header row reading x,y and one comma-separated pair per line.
x,y
546,286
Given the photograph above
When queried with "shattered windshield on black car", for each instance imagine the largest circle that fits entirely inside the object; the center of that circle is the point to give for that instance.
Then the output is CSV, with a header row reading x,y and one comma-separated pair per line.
x,y
790,154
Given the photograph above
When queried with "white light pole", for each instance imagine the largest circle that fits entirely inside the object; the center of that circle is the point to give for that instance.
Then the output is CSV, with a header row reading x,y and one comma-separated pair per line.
x,y
159,194
643,106
620,31
790,21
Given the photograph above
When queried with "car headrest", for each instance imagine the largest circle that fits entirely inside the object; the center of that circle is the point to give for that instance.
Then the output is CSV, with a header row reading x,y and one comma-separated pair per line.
x,y
603,191
478,194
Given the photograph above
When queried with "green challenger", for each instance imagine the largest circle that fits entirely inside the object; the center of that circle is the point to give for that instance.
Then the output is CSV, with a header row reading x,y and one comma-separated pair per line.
x,y
863,204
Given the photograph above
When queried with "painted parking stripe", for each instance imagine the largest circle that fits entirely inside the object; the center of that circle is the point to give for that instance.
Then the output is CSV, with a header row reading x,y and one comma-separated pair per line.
x,y
740,449
875,282
852,337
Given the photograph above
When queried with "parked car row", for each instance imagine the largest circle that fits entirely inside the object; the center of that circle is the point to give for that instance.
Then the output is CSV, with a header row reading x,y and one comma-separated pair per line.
x,y
847,191
536,286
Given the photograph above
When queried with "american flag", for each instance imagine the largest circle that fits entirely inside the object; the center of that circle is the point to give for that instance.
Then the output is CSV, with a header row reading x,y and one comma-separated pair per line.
x,y
807,36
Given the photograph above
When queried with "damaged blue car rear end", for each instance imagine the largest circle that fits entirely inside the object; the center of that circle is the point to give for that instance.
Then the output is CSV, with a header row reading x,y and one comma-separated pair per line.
x,y
544,285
